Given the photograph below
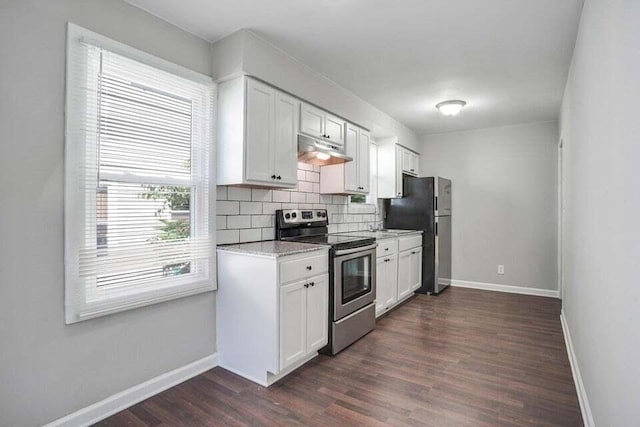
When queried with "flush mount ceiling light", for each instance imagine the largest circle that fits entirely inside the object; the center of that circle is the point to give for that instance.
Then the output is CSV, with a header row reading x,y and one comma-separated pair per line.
x,y
451,108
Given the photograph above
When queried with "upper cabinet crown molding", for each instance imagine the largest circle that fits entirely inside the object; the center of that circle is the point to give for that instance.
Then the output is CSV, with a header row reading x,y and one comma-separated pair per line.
x,y
393,161
257,134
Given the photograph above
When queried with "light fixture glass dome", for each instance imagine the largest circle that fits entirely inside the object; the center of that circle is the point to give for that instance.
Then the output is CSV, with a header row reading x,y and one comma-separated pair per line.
x,y
451,108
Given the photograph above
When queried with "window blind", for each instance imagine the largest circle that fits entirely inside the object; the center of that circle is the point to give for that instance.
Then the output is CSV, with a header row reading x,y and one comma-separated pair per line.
x,y
138,200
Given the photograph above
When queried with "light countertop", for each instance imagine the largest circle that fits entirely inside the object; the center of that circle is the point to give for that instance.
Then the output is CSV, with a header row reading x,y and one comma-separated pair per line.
x,y
273,248
382,235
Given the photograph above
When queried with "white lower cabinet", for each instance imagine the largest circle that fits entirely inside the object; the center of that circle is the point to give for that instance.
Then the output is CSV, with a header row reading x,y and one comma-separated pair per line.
x,y
404,274
409,271
303,319
317,312
387,282
272,313
398,270
415,277
293,319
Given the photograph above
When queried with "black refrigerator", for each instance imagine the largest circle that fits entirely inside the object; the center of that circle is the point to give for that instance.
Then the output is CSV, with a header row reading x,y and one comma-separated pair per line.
x,y
426,206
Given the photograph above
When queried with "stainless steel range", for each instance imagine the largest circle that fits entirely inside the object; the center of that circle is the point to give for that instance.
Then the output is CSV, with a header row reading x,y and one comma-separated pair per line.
x,y
352,273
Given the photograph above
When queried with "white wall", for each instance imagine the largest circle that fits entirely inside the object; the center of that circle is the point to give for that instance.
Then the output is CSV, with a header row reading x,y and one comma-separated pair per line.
x,y
48,369
244,51
504,201
601,133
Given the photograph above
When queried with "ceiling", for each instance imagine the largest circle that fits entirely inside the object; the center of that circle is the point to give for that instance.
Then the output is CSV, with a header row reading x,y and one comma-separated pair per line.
x,y
507,58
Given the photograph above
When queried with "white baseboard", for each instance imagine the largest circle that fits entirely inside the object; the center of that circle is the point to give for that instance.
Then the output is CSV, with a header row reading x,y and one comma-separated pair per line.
x,y
124,399
587,416
505,288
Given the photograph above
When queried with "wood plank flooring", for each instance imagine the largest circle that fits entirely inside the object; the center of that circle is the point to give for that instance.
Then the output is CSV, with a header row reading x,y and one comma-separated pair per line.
x,y
464,358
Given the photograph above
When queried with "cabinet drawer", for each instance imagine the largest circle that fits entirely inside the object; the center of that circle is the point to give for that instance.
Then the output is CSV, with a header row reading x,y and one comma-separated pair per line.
x,y
387,247
301,268
410,242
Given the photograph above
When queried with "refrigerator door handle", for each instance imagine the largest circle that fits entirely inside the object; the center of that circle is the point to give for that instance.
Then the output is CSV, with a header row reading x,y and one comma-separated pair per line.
x,y
436,204
436,228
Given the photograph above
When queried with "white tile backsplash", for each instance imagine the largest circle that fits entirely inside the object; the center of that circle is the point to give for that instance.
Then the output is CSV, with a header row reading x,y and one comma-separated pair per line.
x,y
238,221
250,208
238,193
227,208
251,235
248,214
260,195
281,196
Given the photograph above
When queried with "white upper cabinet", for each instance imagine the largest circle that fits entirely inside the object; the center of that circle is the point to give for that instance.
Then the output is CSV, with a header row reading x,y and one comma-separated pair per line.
x,y
364,144
351,168
260,122
311,120
350,177
257,134
334,129
409,161
320,124
286,146
393,161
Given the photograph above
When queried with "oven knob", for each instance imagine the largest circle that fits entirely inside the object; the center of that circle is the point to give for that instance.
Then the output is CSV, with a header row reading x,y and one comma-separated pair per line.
x,y
287,216
319,214
324,214
293,215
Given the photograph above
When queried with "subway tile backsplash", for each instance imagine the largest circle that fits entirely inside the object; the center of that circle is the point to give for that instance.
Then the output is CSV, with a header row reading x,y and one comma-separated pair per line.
x,y
248,214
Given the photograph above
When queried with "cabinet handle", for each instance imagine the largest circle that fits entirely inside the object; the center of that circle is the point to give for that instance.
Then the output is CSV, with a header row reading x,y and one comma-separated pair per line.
x,y
413,170
309,267
312,283
273,177
306,285
328,136
278,177
413,252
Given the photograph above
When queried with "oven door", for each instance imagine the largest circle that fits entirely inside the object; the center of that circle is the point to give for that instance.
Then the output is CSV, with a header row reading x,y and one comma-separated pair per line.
x,y
355,279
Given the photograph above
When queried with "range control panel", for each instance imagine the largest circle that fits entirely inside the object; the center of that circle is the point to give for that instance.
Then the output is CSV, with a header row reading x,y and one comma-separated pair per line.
x,y
298,216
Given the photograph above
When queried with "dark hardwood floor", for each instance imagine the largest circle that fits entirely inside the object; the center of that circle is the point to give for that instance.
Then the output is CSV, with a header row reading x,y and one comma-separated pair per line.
x,y
464,358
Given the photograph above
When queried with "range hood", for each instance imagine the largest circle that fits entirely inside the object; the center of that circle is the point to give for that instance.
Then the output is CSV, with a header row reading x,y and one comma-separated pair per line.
x,y
318,152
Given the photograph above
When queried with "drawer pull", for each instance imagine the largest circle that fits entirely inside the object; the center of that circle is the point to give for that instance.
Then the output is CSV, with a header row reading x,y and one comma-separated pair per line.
x,y
309,267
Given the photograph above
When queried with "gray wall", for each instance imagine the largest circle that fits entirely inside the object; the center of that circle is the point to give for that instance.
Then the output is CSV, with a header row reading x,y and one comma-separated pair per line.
x,y
601,130
504,201
47,369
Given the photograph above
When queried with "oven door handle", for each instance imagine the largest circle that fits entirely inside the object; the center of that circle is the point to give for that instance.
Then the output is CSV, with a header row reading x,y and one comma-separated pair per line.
x,y
354,250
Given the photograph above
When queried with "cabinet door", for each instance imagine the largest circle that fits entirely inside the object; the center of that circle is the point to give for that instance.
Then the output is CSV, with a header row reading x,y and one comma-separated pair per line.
x,y
311,120
382,288
293,320
398,171
334,129
392,280
259,132
351,168
317,313
404,274
415,163
416,268
363,161
406,159
285,142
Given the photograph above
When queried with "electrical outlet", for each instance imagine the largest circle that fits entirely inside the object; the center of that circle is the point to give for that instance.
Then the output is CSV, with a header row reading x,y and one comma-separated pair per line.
x,y
500,269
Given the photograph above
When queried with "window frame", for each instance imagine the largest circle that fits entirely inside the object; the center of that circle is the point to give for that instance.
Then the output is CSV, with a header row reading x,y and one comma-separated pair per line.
x,y
83,301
